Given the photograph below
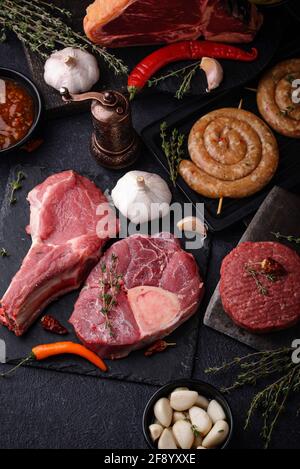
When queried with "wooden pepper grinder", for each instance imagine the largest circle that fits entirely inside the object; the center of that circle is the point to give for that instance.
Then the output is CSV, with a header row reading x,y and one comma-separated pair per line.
x,y
115,144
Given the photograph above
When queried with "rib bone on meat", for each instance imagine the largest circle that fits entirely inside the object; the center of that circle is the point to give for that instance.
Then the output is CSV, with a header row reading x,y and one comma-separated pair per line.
x,y
65,246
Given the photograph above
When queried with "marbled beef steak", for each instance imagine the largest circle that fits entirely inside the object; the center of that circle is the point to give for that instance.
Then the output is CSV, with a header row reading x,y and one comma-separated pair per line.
x,y
65,246
279,307
162,289
117,23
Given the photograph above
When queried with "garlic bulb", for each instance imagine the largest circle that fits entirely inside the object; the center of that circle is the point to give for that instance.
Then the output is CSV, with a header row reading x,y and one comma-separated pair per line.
x,y
142,196
75,69
214,72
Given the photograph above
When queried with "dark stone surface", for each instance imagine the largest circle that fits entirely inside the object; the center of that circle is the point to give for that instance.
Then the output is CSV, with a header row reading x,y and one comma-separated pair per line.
x,y
43,409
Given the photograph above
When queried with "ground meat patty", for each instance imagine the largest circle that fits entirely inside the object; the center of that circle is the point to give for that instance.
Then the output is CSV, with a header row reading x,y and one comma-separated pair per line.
x,y
242,301
233,153
275,98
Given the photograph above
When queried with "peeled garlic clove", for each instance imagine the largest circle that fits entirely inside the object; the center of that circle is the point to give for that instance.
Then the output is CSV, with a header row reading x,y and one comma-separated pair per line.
x,y
201,447
215,411
193,225
167,440
183,400
201,420
163,412
155,431
178,416
217,435
202,402
214,72
183,434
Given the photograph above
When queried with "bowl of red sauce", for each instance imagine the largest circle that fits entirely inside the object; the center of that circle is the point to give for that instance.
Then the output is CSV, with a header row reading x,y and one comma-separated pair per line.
x,y
20,109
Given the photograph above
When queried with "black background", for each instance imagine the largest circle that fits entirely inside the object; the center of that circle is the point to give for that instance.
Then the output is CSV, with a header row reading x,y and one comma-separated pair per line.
x,y
43,409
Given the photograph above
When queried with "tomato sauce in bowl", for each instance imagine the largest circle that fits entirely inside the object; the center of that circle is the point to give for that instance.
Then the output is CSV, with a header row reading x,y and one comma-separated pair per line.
x,y
17,113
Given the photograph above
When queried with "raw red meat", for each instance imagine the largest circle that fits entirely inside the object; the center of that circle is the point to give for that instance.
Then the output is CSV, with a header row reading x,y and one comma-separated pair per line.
x,y
242,301
118,23
65,246
162,289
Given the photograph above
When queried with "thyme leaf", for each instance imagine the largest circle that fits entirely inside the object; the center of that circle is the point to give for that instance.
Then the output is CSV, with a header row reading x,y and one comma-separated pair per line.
x,y
291,239
110,285
172,146
15,186
4,252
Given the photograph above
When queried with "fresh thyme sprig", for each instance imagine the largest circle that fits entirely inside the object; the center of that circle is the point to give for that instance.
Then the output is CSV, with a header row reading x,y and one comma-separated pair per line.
x,y
172,147
188,71
15,186
186,82
271,400
110,286
291,239
41,26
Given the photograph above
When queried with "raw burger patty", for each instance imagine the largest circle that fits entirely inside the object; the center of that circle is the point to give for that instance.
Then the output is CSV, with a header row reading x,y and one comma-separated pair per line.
x,y
249,309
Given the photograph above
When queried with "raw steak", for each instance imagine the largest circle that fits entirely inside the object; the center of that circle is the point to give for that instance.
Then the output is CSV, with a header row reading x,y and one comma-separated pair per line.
x,y
66,244
279,308
117,23
162,289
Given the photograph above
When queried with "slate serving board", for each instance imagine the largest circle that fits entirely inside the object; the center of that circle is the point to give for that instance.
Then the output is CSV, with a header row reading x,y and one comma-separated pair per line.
x,y
175,363
236,73
280,212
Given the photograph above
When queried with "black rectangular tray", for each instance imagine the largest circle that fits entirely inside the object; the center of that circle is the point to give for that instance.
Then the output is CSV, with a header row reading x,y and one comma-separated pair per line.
x,y
234,210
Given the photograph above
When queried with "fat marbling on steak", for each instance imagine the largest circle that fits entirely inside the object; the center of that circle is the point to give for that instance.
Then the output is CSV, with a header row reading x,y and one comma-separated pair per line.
x,y
162,289
279,307
117,23
65,246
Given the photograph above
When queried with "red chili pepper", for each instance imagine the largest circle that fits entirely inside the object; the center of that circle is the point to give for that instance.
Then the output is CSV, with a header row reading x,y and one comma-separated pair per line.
x,y
51,324
42,352
185,50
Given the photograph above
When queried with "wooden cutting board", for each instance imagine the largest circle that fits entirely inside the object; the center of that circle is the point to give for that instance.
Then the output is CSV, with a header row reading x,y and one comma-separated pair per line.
x,y
279,213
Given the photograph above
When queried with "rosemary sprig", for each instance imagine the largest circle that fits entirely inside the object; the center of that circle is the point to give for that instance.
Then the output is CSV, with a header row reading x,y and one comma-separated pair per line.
x,y
185,85
110,286
271,400
291,239
4,252
41,26
15,186
172,147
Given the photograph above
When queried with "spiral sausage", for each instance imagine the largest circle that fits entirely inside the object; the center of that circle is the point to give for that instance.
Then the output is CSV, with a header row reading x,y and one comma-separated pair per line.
x,y
234,154
275,98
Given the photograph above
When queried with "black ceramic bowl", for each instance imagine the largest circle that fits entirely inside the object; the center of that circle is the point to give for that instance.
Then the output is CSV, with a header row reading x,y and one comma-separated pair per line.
x,y
202,388
30,87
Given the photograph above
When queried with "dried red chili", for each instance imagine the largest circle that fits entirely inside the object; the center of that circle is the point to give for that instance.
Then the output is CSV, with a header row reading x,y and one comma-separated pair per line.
x,y
157,347
270,266
51,324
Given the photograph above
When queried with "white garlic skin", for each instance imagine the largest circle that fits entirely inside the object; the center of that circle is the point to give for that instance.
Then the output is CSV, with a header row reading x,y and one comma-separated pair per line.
x,y
72,68
141,196
214,72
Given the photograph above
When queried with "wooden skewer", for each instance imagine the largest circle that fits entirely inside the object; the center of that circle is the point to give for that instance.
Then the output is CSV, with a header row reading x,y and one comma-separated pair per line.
x,y
220,206
221,200
251,89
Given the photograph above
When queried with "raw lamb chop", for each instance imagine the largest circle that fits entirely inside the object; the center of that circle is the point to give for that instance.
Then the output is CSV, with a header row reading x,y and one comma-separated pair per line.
x,y
66,244
117,23
162,289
